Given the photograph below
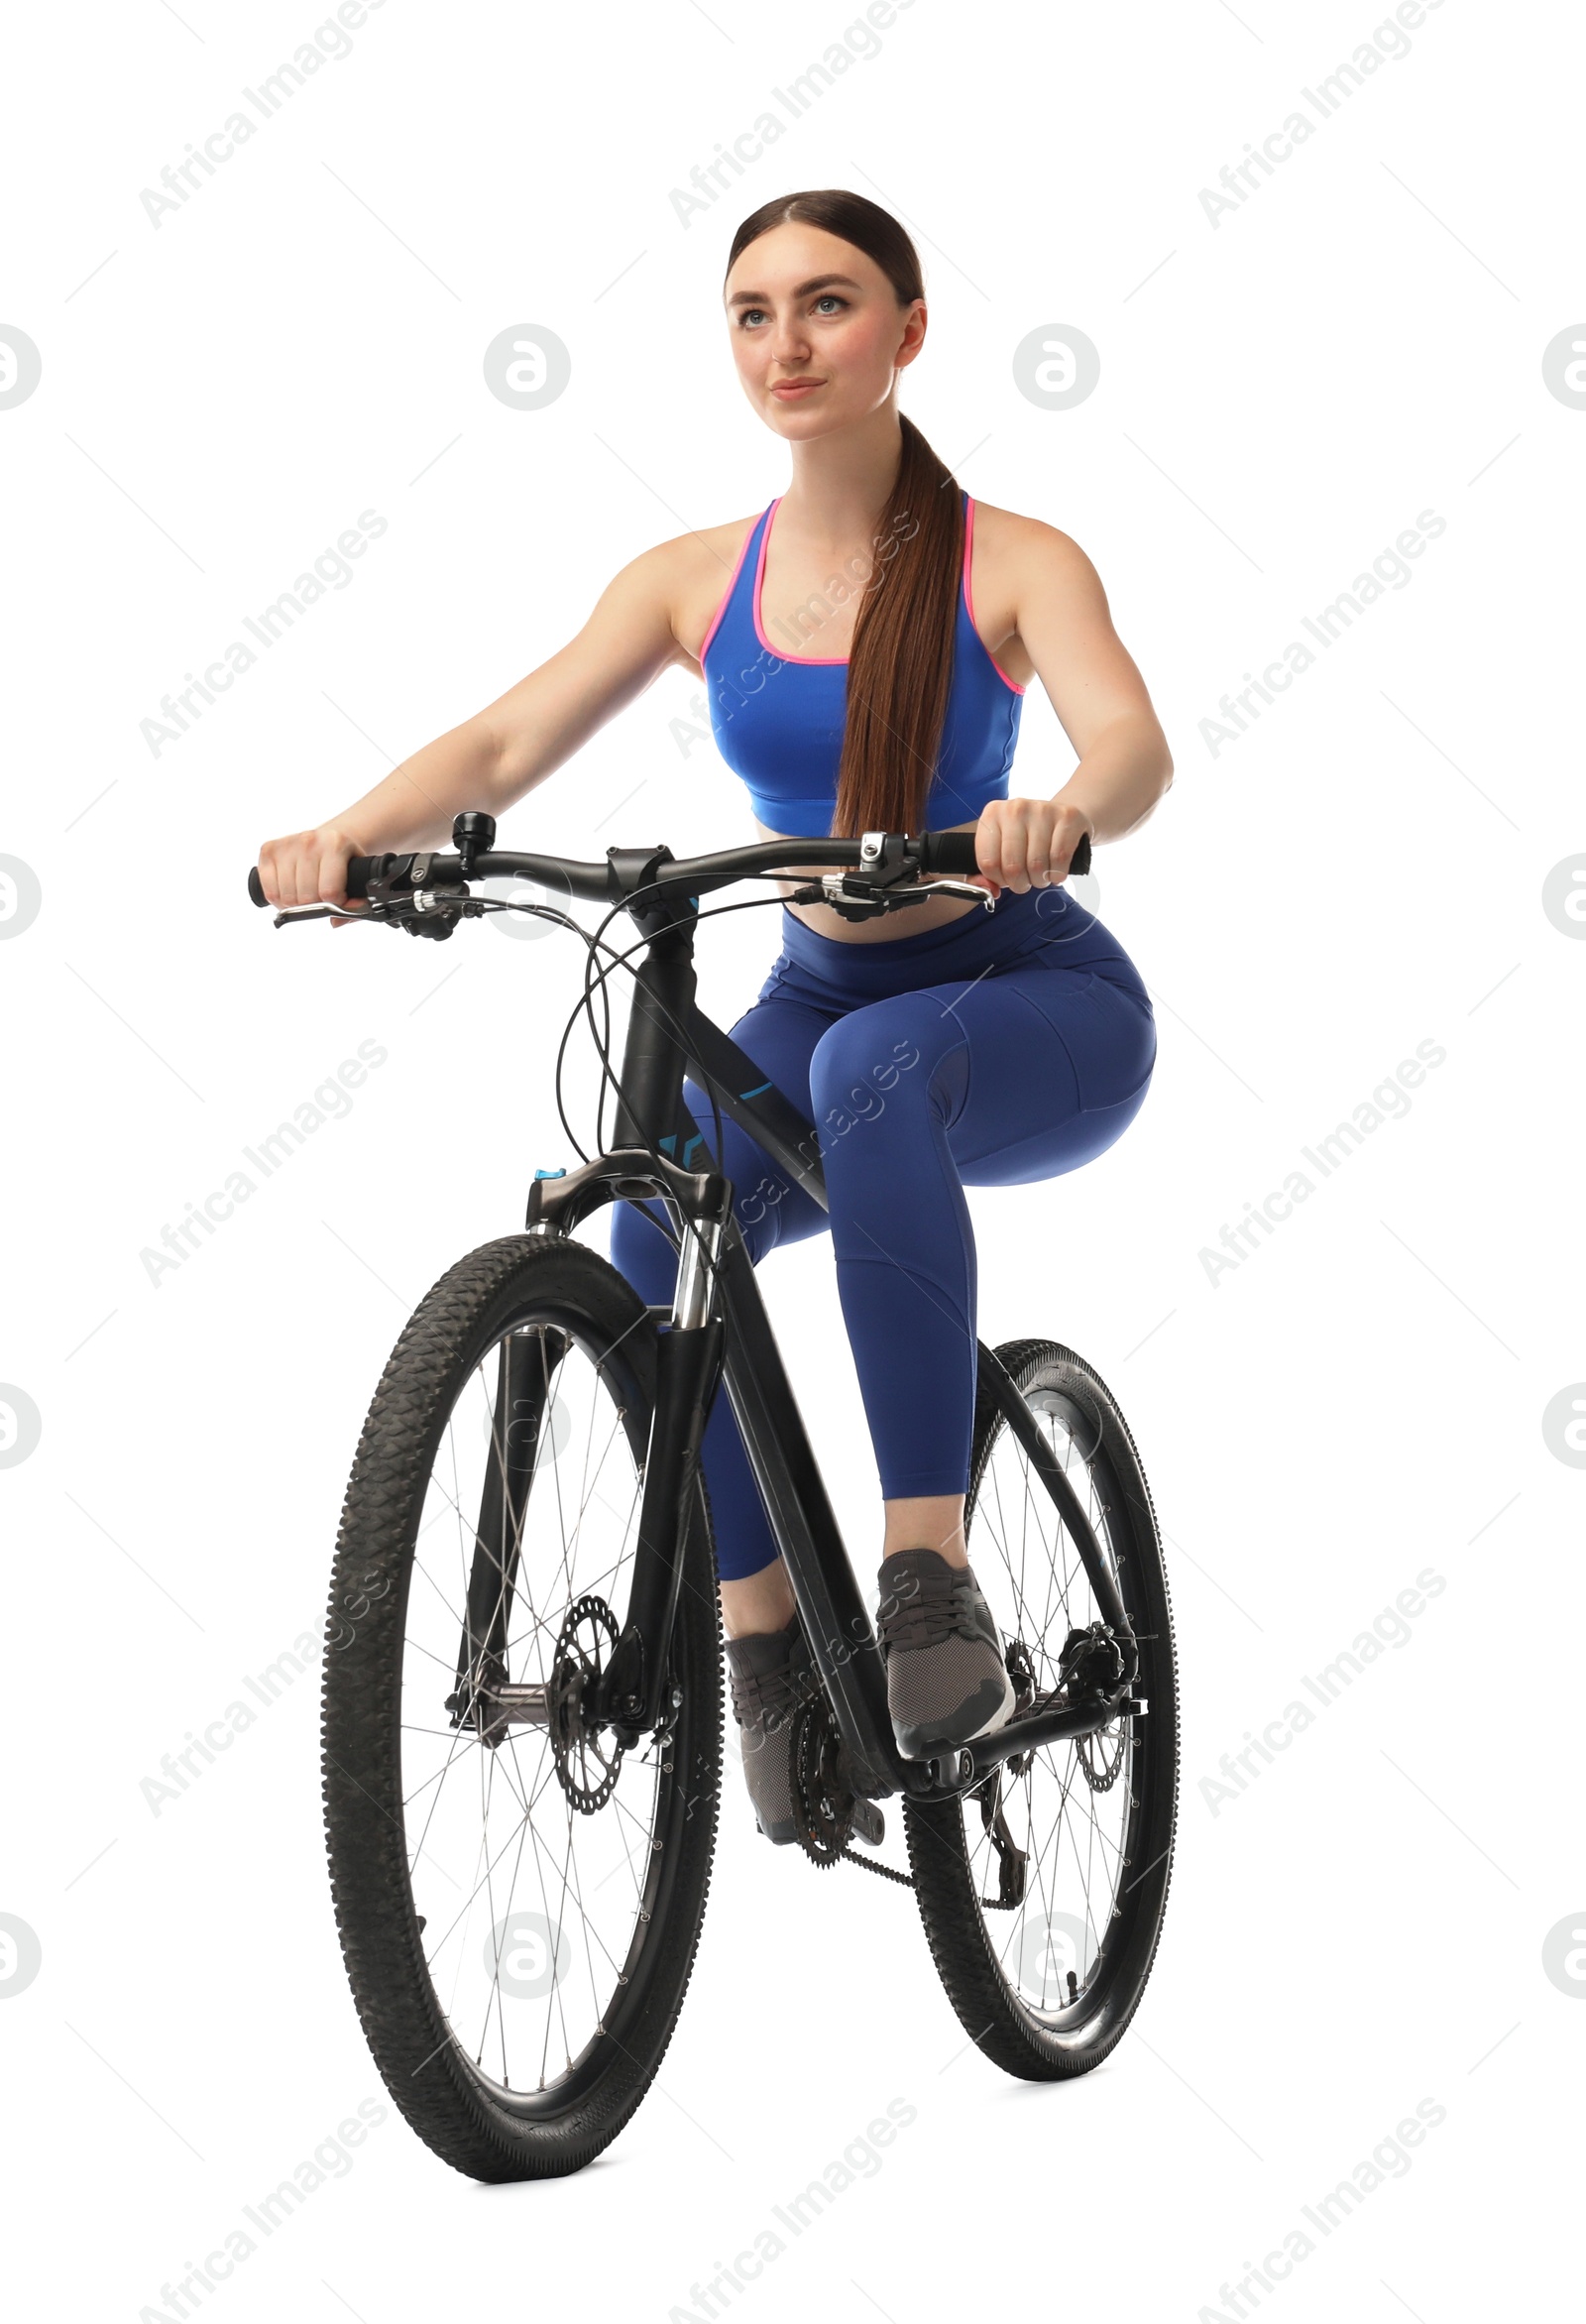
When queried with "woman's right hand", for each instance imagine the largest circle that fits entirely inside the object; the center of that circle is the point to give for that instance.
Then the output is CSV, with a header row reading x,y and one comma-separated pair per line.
x,y
309,868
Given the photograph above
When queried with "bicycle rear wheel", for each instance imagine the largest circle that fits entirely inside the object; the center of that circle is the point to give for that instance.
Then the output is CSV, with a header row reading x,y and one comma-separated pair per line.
x,y
518,1899
1043,1891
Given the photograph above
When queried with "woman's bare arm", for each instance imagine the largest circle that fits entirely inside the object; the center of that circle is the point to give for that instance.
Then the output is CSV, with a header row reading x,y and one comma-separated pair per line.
x,y
516,742
1050,595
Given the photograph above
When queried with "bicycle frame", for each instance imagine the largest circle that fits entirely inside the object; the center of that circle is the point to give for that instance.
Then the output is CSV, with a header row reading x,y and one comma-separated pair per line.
x,y
718,1330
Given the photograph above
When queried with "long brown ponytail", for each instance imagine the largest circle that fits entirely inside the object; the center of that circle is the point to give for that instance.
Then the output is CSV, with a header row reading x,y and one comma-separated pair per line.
x,y
900,667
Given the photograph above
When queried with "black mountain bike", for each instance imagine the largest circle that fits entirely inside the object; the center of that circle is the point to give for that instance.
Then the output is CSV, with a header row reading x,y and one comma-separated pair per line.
x,y
523,1708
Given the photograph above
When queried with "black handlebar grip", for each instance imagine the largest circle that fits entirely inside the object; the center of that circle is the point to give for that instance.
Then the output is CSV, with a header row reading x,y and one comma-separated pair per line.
x,y
360,870
948,851
954,851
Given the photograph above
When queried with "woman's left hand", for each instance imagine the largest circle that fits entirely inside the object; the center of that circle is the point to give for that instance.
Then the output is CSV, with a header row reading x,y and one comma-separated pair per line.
x,y
1027,842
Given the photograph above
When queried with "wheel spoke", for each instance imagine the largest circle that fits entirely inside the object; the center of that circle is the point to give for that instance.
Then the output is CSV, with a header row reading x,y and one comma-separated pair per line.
x,y
528,1959
1072,1808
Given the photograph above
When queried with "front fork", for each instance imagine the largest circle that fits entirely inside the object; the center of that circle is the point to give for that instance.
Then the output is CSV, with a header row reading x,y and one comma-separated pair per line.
x,y
634,1697
525,1371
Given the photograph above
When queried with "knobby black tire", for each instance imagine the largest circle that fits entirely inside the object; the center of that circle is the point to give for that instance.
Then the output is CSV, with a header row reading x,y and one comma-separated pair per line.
x,y
1052,2045
462,2116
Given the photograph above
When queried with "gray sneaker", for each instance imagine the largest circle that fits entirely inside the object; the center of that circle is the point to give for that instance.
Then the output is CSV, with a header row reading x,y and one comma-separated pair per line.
x,y
946,1679
770,1674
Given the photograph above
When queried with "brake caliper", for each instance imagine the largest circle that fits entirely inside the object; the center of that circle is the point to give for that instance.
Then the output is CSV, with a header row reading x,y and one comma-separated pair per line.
x,y
1092,1663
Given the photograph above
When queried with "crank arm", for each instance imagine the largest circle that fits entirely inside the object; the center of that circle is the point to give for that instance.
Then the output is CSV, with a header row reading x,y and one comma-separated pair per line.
x,y
963,1767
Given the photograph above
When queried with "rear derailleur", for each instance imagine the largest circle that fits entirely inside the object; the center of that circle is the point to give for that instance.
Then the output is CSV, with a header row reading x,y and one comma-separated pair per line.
x,y
1012,1861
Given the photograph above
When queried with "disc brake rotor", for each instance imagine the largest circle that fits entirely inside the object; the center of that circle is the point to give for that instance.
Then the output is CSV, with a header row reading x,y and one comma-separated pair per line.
x,y
1098,1765
587,1756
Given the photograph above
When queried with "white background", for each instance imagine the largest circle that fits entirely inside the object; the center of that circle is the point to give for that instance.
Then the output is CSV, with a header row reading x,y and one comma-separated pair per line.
x,y
1281,395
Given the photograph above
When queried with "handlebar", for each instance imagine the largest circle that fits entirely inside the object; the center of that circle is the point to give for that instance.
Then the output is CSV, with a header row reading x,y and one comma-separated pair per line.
x,y
628,869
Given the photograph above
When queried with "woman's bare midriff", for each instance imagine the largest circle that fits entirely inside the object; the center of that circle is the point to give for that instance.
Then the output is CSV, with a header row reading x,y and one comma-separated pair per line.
x,y
912,920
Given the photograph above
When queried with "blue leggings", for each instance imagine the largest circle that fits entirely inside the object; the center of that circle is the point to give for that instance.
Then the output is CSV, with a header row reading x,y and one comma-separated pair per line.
x,y
1006,1047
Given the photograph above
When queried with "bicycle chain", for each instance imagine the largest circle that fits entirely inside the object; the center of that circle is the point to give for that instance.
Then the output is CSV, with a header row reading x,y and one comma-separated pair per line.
x,y
823,1825
881,1870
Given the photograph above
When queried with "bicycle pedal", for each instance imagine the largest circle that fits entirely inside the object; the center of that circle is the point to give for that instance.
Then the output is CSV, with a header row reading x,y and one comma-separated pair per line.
x,y
869,1824
950,1770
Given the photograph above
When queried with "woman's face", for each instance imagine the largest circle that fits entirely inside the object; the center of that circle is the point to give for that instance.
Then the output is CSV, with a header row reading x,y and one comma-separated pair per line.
x,y
818,334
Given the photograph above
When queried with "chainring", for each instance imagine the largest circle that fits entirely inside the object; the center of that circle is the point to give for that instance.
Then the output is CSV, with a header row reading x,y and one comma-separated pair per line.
x,y
586,1759
823,1796
823,1804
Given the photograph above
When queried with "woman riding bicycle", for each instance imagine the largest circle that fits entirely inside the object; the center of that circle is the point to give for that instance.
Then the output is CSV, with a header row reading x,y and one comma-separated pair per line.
x,y
1006,1046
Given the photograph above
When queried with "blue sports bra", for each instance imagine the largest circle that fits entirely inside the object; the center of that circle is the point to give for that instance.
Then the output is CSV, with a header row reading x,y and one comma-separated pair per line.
x,y
778,717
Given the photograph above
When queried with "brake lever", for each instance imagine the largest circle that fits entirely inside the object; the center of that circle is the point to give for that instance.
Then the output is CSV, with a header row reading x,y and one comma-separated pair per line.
x,y
863,902
373,914
422,912
947,885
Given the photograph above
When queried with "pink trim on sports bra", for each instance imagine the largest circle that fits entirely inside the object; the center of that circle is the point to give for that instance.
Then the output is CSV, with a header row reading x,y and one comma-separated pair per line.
x,y
834,660
727,596
968,598
810,660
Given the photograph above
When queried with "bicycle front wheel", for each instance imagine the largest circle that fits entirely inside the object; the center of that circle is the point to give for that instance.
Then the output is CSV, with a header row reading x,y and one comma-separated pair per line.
x,y
519,1898
1043,1891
